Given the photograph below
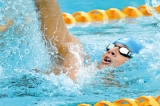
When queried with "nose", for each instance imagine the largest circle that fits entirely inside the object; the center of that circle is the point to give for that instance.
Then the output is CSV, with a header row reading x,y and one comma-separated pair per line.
x,y
112,52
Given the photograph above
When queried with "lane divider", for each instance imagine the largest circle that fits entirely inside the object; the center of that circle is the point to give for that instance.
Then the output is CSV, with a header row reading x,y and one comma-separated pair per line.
x,y
68,18
146,101
104,103
132,12
146,11
140,101
158,100
157,8
82,16
125,102
98,15
115,14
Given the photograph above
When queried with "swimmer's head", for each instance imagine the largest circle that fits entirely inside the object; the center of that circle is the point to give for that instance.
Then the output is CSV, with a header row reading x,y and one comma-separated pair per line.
x,y
119,52
133,45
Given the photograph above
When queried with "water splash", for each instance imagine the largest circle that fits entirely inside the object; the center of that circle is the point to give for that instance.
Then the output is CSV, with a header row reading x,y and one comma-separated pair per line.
x,y
22,45
23,51
153,4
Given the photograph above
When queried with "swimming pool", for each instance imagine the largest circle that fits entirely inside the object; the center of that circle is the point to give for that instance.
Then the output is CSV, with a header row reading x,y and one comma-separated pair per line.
x,y
22,49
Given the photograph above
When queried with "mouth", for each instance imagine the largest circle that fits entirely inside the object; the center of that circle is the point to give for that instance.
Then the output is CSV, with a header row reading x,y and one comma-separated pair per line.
x,y
106,60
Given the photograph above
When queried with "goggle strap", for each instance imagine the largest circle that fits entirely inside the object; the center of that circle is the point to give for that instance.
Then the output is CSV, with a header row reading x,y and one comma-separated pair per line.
x,y
129,53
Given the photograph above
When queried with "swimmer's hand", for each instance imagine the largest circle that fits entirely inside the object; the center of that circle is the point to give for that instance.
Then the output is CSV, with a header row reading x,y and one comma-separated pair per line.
x,y
3,28
9,22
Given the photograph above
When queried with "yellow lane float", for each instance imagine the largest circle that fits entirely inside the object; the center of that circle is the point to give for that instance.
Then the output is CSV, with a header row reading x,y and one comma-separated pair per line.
x,y
125,102
84,105
146,11
114,14
81,16
98,15
68,18
140,101
103,16
104,103
157,8
132,12
146,101
158,100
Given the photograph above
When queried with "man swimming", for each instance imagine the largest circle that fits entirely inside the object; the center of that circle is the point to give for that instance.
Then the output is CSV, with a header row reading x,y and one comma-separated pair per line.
x,y
70,50
119,52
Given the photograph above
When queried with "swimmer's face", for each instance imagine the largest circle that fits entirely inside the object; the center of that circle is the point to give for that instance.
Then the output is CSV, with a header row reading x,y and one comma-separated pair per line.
x,y
112,57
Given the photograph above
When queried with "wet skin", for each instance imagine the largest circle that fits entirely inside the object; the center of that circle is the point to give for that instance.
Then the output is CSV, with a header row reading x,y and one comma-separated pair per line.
x,y
113,58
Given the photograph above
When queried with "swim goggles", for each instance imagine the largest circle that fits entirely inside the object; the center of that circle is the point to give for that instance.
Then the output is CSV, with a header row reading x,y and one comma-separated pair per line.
x,y
122,50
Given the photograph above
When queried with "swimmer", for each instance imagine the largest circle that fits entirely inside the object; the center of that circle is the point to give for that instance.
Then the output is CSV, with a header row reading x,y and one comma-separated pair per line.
x,y
70,50
3,28
119,52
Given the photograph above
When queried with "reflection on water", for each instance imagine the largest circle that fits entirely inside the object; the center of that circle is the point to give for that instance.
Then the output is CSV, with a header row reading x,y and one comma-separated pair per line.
x,y
23,50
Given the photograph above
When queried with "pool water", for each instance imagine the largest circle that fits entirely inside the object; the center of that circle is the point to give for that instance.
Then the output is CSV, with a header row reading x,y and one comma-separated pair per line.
x,y
23,50
86,5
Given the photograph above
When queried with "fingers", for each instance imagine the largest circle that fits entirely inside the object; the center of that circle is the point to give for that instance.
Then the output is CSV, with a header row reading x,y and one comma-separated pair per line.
x,y
10,22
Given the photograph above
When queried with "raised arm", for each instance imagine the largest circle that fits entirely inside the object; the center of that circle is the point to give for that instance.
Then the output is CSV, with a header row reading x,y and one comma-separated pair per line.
x,y
57,34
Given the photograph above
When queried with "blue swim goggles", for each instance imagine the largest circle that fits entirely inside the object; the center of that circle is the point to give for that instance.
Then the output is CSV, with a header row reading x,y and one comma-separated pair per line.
x,y
122,50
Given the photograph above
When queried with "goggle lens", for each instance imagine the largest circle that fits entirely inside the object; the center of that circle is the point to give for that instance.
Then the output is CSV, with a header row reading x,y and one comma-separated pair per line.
x,y
110,46
122,50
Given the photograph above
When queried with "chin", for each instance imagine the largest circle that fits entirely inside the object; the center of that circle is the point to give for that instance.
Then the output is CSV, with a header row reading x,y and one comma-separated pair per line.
x,y
100,66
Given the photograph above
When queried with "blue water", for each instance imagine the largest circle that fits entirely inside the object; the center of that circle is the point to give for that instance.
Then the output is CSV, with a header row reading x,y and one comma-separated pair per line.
x,y
23,50
86,5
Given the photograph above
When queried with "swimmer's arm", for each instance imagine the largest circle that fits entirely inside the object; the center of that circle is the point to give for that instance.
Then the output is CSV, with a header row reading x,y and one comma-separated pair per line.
x,y
57,33
53,25
3,28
